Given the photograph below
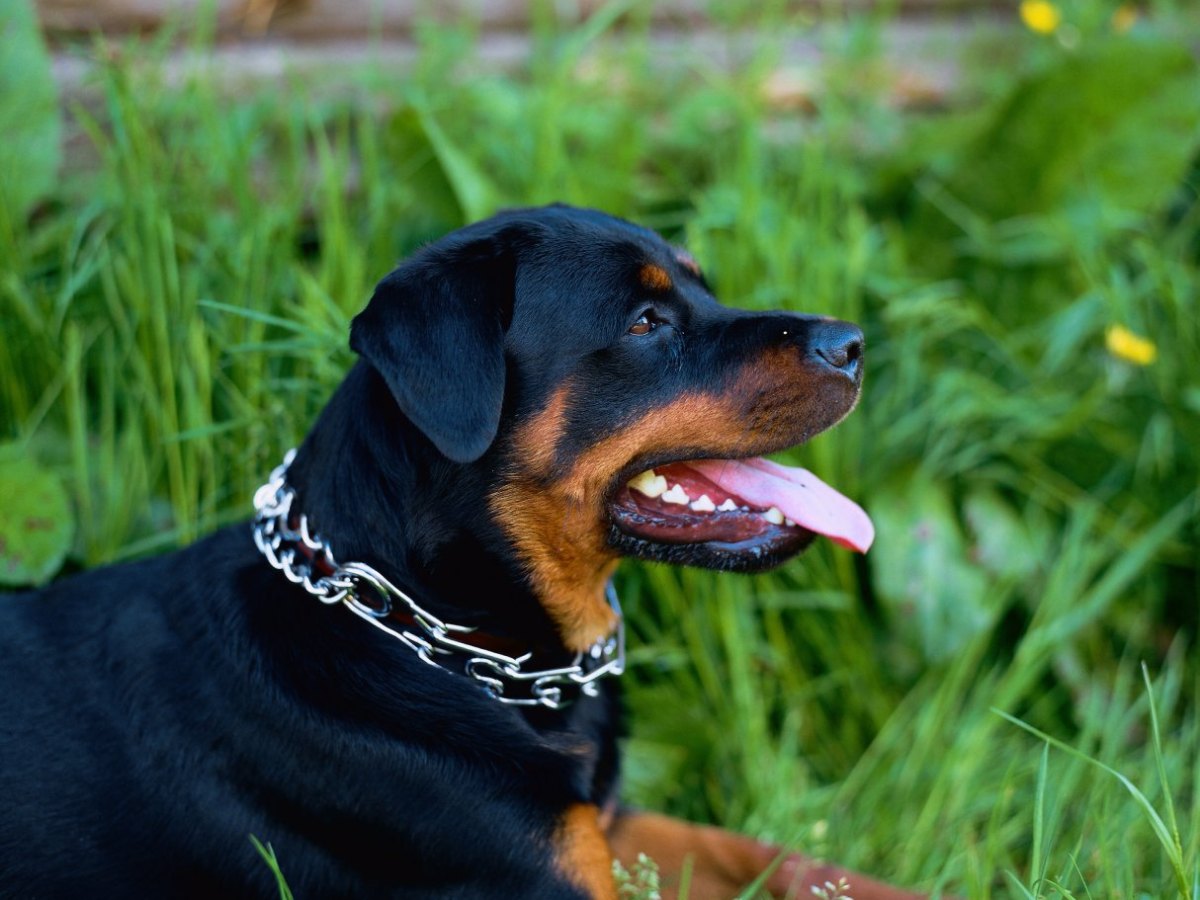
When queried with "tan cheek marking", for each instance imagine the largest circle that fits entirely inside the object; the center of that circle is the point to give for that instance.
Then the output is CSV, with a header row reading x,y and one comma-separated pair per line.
x,y
538,440
655,278
715,423
582,853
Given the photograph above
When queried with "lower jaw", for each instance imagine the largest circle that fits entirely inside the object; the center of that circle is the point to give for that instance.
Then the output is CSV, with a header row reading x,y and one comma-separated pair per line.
x,y
755,554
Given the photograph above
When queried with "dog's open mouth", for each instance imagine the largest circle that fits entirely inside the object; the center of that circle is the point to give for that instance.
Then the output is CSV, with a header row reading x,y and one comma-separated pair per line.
x,y
738,513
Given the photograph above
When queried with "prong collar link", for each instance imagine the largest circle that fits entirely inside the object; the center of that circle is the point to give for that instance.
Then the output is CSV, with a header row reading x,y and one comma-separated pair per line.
x,y
504,677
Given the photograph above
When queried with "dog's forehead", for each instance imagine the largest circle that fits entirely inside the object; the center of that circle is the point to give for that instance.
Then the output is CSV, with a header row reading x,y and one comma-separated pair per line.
x,y
610,253
590,237
593,274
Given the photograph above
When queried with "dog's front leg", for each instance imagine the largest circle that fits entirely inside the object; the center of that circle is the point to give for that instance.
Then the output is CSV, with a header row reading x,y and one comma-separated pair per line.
x,y
723,863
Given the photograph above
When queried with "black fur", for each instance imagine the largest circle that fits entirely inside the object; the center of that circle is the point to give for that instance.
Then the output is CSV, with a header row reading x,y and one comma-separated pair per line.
x,y
155,715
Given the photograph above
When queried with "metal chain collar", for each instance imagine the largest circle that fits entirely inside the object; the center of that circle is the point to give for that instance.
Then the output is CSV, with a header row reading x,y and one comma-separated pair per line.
x,y
346,583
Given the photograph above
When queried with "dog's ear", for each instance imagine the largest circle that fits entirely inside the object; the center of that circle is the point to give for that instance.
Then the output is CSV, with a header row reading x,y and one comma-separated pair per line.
x,y
434,330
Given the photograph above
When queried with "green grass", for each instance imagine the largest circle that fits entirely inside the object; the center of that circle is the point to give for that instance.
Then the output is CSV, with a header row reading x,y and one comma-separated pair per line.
x,y
951,712
267,852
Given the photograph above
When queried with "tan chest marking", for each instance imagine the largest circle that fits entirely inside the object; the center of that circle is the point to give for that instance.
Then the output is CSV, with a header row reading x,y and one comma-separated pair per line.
x,y
582,853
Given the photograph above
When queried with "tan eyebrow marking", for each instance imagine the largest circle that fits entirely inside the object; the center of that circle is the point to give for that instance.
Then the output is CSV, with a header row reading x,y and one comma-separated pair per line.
x,y
655,278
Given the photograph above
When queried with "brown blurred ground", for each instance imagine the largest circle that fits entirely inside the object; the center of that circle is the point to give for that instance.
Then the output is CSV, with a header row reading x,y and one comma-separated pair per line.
x,y
260,40
324,20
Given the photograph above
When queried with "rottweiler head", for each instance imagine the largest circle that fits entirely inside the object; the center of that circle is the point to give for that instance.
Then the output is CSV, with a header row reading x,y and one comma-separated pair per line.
x,y
579,369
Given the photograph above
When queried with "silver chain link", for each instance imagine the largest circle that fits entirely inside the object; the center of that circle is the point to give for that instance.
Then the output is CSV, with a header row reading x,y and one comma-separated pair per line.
x,y
277,539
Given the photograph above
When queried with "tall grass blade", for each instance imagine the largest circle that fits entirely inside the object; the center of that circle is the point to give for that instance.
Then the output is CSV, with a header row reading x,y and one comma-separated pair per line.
x,y
268,854
1161,831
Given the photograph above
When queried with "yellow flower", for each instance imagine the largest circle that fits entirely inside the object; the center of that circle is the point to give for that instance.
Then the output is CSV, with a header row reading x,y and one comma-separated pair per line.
x,y
1040,16
1124,17
1124,344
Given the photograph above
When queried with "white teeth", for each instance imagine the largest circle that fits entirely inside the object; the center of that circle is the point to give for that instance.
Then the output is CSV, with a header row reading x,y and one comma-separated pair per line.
x,y
649,484
704,504
676,495
774,515
788,522
727,506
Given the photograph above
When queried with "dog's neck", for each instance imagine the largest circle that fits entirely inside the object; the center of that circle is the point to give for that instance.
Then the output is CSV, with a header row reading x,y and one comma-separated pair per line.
x,y
379,493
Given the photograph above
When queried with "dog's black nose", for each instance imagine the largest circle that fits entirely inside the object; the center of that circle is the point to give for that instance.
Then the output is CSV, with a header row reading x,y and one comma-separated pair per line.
x,y
840,346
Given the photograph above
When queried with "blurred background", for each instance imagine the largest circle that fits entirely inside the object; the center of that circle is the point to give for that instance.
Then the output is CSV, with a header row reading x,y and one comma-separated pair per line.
x,y
1001,698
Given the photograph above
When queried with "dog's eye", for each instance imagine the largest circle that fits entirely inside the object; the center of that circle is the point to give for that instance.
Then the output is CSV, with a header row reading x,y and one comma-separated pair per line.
x,y
645,324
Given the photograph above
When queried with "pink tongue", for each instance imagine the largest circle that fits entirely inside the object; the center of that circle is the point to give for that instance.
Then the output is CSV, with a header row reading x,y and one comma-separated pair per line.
x,y
802,496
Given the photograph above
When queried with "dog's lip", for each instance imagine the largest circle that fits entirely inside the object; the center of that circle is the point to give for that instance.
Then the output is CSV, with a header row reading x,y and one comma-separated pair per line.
x,y
733,529
763,485
758,552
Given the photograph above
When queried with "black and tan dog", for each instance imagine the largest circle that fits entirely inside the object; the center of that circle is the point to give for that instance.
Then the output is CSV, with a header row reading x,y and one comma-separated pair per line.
x,y
538,395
